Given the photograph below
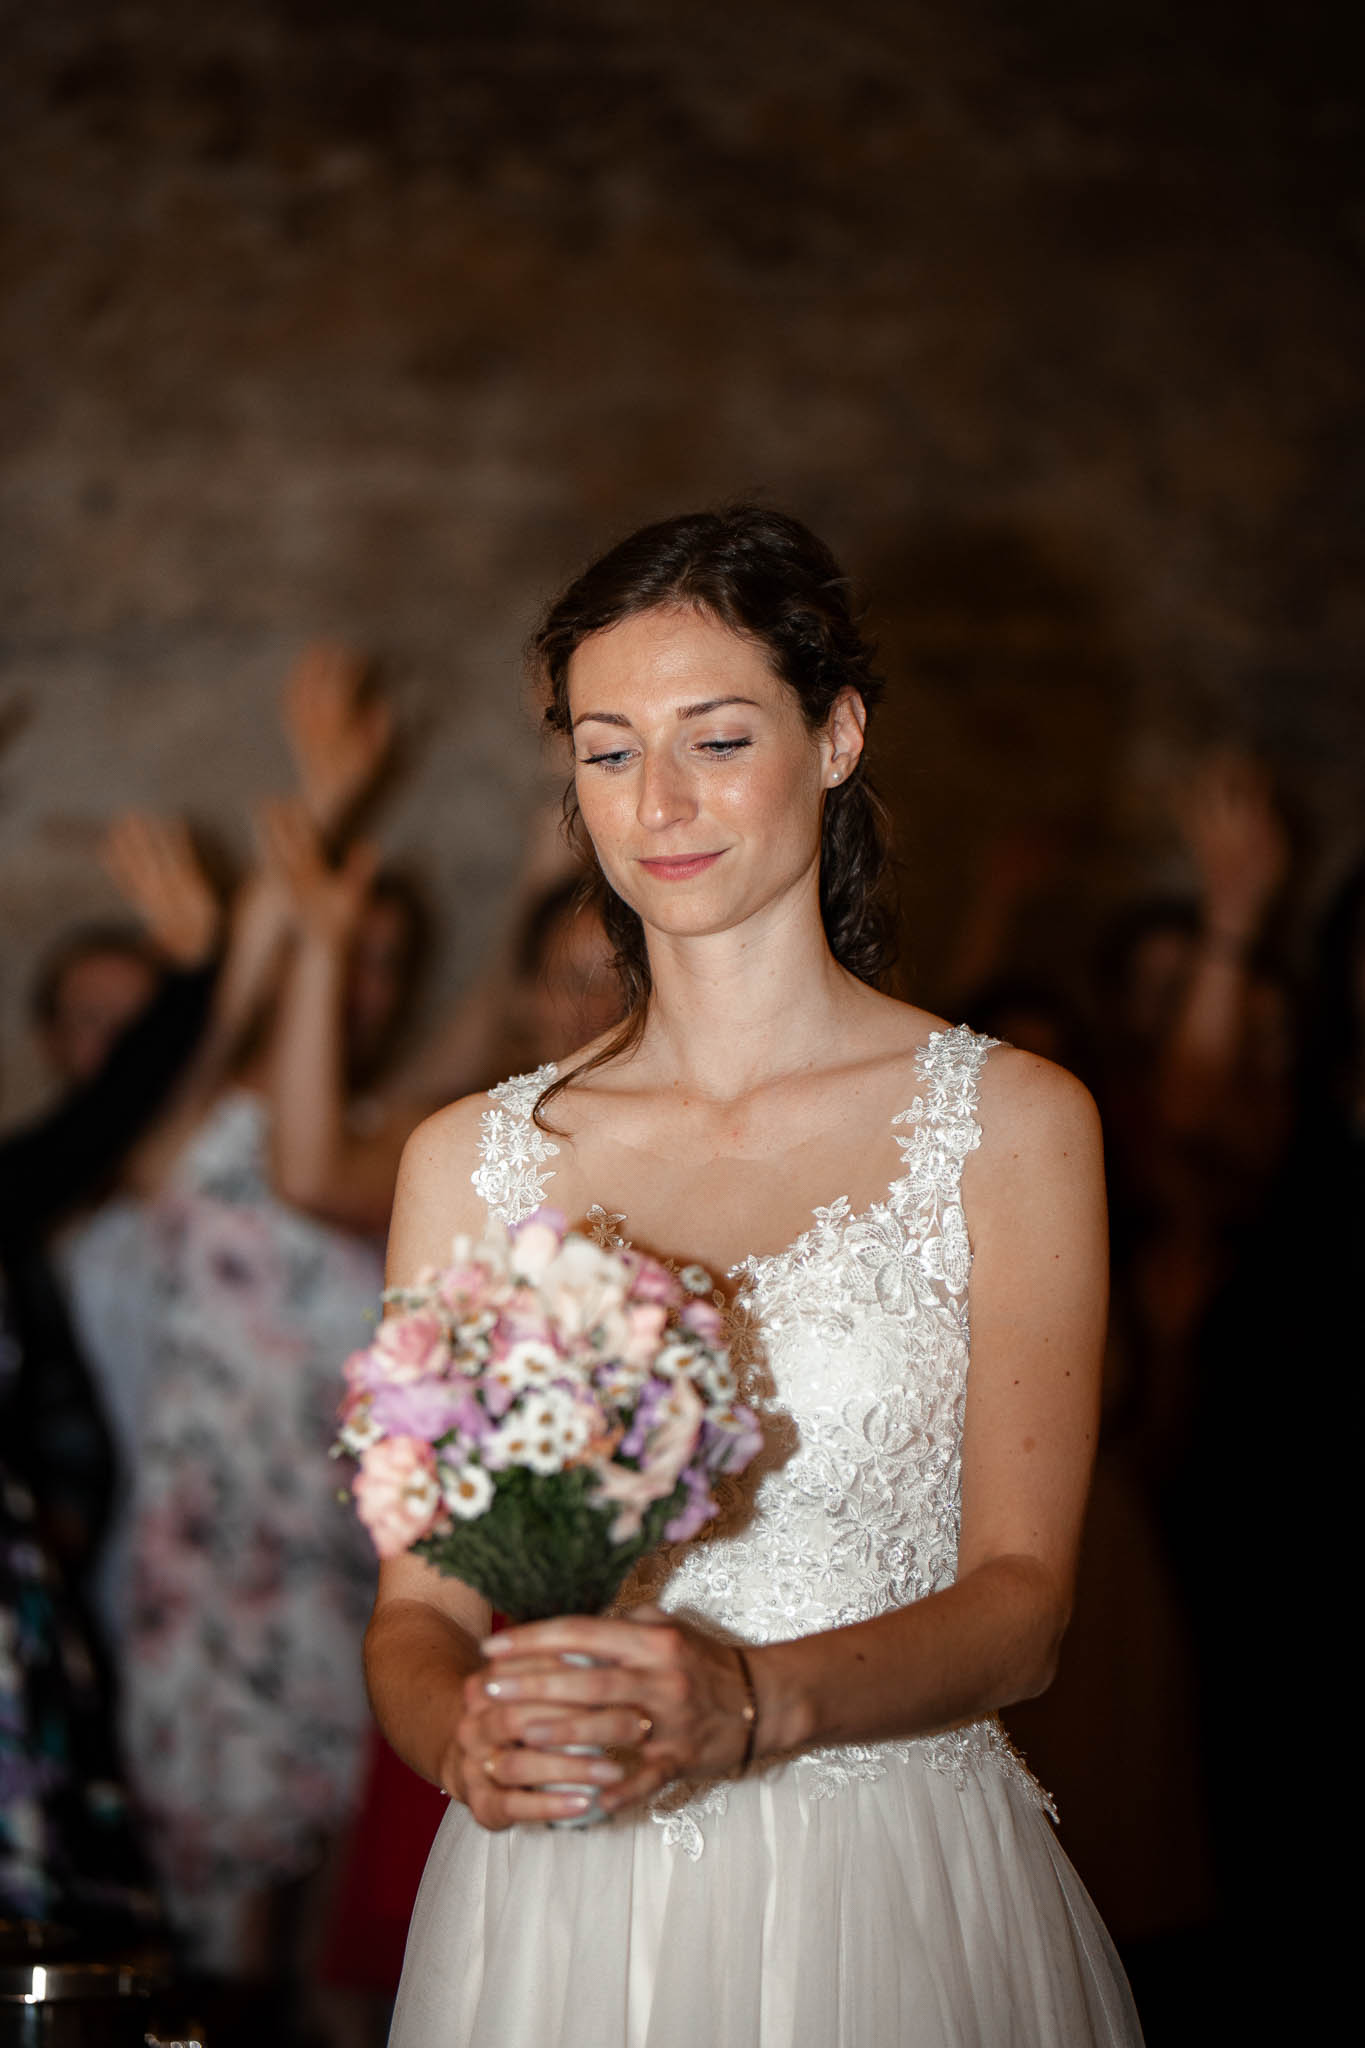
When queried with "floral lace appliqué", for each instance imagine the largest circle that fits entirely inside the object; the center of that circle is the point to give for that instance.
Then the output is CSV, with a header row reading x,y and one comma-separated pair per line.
x,y
511,1173
853,1343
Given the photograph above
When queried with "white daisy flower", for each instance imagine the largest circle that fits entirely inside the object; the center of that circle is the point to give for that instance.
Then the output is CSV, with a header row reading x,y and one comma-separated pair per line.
x,y
533,1363
718,1378
676,1360
529,1436
360,1432
465,1489
620,1380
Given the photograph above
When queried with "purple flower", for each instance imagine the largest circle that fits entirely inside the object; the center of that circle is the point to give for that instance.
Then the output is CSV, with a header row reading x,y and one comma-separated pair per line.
x,y
420,1408
732,1438
703,1319
652,1397
695,1511
472,1421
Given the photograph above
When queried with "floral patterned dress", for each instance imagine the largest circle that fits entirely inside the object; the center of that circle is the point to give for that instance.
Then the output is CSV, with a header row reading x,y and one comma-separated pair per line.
x,y
244,1707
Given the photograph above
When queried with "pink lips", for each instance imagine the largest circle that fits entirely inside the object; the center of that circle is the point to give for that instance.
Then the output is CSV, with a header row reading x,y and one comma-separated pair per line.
x,y
681,868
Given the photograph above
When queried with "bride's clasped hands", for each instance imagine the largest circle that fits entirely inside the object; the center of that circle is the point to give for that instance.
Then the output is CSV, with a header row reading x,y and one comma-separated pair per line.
x,y
674,1702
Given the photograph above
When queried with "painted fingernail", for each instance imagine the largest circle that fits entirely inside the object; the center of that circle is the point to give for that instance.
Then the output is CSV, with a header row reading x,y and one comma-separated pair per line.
x,y
540,1731
579,1803
605,1773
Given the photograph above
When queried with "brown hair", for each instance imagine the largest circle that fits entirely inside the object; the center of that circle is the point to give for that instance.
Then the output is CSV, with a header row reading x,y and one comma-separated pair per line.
x,y
768,578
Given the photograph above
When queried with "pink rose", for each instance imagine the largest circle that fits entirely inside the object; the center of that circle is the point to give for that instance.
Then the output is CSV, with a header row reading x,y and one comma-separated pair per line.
x,y
468,1285
703,1319
363,1371
536,1242
522,1320
652,1282
396,1493
645,1322
412,1346
632,1493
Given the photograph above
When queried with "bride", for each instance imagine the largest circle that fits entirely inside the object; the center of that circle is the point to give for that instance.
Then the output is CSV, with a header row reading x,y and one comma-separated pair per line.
x,y
811,1830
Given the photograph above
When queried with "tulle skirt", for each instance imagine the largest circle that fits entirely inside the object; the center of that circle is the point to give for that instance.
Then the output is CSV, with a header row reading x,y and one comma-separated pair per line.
x,y
914,1910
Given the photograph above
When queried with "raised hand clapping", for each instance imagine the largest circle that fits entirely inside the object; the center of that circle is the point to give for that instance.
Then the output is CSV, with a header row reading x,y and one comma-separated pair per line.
x,y
338,728
152,863
326,900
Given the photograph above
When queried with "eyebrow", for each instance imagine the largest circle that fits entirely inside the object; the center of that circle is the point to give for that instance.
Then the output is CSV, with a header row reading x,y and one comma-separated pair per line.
x,y
685,711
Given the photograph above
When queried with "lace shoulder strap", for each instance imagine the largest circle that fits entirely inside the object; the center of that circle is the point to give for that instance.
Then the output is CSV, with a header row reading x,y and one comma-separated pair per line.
x,y
944,1130
511,1173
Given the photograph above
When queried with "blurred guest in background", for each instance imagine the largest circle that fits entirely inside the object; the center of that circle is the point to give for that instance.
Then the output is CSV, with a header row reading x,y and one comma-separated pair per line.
x,y
565,990
243,1711
1278,1351
67,1849
548,978
90,986
1193,1072
1197,1086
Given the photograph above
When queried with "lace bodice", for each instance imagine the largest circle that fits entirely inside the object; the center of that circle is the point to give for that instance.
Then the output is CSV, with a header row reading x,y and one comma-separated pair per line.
x,y
853,1343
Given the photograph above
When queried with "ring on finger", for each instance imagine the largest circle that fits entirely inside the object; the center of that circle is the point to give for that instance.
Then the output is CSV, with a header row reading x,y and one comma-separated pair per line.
x,y
646,1727
490,1769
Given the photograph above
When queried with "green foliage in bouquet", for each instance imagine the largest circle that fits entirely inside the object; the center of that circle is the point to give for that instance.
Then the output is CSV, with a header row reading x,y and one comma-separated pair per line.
x,y
542,1546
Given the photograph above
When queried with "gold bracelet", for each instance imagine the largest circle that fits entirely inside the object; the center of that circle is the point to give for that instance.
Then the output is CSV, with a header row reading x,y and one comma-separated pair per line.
x,y
749,1711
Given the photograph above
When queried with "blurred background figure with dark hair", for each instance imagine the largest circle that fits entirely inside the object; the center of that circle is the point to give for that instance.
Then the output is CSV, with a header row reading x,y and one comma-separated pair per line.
x,y
92,984
1278,1350
69,1852
1194,1038
243,1711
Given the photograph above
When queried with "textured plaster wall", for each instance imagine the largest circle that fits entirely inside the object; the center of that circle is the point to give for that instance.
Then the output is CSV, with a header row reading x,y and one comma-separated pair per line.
x,y
377,321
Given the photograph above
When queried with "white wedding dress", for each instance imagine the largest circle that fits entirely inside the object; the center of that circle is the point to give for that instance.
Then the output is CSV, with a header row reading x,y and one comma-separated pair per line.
x,y
907,1892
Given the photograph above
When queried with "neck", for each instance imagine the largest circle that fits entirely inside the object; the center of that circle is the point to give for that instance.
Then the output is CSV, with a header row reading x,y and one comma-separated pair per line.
x,y
734,1009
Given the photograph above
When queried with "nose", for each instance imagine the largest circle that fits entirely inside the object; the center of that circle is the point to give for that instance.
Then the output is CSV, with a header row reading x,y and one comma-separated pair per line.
x,y
666,794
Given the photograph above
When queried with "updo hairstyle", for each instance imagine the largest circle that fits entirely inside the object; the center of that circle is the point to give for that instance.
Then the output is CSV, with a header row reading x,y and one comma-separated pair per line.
x,y
766,577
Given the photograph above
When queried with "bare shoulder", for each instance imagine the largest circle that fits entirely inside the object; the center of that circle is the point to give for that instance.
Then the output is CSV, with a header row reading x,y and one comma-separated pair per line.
x,y
435,1198
1040,1141
1024,1097
446,1135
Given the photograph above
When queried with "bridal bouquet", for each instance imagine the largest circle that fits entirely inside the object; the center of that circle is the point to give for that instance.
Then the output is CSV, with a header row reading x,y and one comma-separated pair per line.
x,y
539,1414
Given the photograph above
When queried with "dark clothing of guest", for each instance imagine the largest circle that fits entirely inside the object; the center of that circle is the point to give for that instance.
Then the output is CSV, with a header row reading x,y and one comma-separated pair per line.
x,y
66,1846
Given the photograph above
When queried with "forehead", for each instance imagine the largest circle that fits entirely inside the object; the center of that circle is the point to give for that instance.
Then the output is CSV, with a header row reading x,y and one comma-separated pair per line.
x,y
672,655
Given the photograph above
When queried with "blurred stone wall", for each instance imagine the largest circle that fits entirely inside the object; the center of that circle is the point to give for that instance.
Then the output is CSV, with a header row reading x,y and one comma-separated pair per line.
x,y
377,321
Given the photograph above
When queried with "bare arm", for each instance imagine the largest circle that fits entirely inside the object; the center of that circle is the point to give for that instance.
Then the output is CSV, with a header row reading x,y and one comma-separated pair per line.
x,y
260,934
339,731
318,1162
339,737
425,1635
1035,1202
